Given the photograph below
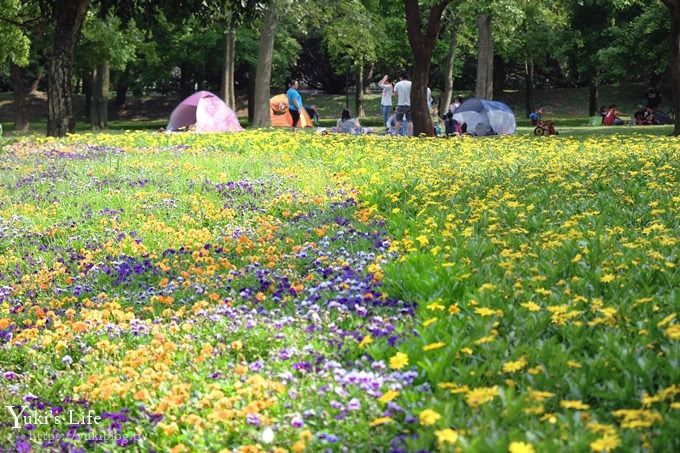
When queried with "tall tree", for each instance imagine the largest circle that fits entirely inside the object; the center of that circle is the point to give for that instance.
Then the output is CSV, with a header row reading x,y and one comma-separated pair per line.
x,y
452,24
263,72
422,42
68,17
106,44
674,10
484,85
19,22
230,14
350,33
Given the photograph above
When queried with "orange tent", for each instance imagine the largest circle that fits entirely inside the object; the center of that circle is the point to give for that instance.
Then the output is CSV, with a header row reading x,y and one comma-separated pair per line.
x,y
278,107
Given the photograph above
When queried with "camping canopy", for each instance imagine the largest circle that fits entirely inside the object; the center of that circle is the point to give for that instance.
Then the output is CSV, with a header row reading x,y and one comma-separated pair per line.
x,y
280,115
207,111
486,117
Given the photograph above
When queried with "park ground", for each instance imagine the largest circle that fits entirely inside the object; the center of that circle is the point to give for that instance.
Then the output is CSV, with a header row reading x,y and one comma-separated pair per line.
x,y
567,107
270,291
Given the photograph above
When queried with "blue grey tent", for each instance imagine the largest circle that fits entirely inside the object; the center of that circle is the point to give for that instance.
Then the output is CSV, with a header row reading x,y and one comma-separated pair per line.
x,y
486,117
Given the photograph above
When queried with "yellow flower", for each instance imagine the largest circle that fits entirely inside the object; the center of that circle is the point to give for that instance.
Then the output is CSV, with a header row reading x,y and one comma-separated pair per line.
x,y
483,311
236,345
520,447
673,332
398,361
607,278
606,443
429,321
388,396
480,395
380,421
432,346
511,367
531,306
365,341
429,417
446,436
435,306
454,309
576,405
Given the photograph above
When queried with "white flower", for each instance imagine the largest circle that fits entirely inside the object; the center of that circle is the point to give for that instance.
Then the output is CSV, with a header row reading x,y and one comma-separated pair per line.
x,y
267,435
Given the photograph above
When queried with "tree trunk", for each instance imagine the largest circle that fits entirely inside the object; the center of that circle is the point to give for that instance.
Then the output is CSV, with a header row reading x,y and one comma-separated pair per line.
x,y
228,89
499,76
68,18
368,78
122,88
251,95
674,9
101,95
484,86
529,86
263,72
89,84
359,92
185,86
20,101
592,98
422,46
450,60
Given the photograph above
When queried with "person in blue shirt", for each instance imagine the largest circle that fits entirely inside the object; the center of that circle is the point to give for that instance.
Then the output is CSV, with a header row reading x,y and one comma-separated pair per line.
x,y
294,103
535,117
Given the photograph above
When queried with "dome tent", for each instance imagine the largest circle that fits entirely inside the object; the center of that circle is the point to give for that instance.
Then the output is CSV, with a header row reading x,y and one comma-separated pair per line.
x,y
486,117
280,114
207,111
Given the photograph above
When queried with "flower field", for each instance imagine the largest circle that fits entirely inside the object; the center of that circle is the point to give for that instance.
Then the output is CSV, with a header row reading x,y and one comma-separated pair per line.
x,y
269,291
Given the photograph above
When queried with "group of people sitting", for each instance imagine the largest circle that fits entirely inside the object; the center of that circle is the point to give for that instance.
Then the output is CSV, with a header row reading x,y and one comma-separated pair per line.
x,y
647,115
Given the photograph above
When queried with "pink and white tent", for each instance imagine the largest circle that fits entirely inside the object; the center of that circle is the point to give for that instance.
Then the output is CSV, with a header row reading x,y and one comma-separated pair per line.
x,y
207,111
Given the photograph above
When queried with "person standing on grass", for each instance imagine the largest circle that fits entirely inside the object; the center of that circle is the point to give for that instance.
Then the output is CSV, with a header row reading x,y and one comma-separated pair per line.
x,y
294,103
386,100
403,91
653,97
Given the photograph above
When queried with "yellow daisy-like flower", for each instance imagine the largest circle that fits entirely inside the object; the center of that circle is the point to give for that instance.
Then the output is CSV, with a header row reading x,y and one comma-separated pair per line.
x,y
606,443
432,346
446,436
576,405
478,396
531,306
673,332
365,341
483,311
380,421
454,309
607,278
512,367
398,361
521,447
388,396
429,417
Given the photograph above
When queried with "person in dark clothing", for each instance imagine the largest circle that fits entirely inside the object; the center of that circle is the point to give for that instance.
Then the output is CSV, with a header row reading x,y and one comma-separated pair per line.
x,y
313,114
653,97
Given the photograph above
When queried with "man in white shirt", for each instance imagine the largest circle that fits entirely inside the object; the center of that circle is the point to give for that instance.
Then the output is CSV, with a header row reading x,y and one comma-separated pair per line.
x,y
386,101
403,91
